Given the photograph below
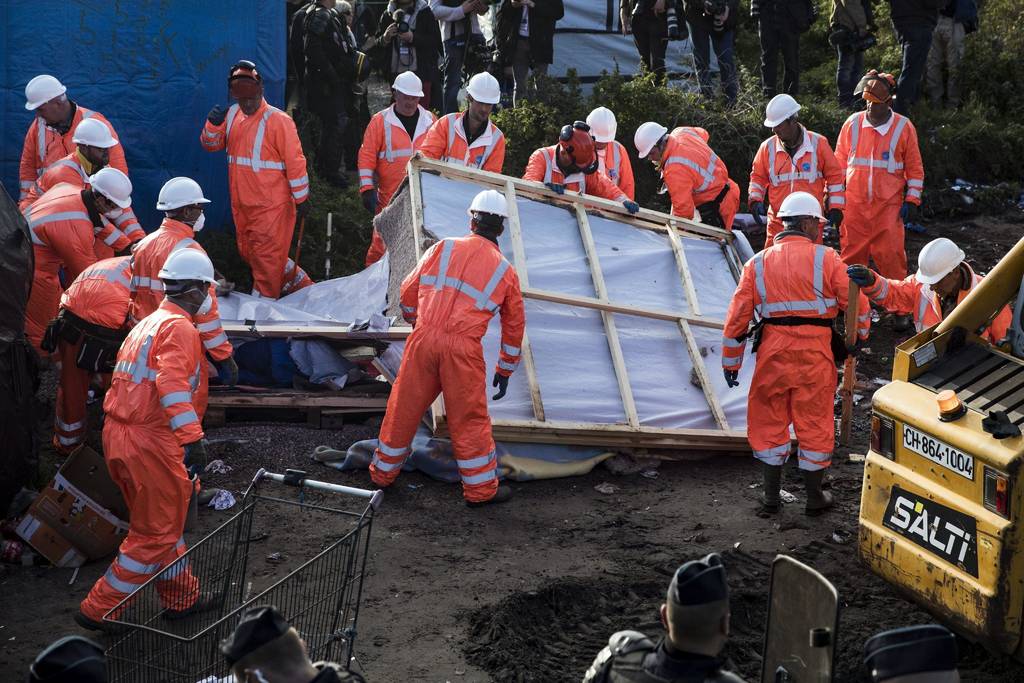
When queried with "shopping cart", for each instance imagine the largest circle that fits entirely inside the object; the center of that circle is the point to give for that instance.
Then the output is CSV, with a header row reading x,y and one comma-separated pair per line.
x,y
235,568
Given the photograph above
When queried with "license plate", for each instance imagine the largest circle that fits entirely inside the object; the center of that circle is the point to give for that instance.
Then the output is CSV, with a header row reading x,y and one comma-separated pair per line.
x,y
943,531
939,452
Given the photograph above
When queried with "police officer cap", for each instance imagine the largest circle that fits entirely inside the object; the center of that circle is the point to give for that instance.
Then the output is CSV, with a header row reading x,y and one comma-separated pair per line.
x,y
910,650
72,659
699,582
259,626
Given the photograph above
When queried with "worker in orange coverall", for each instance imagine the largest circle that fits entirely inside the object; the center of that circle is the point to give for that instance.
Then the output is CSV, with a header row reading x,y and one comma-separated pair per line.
x,y
153,425
182,201
612,157
878,151
87,332
697,180
50,137
572,164
450,298
266,176
793,160
942,281
391,138
469,138
64,224
797,288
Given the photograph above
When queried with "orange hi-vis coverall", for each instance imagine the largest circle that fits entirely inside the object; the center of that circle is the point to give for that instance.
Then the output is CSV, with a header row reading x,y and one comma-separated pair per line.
x,y
98,296
383,158
446,140
912,297
813,168
614,162
543,167
153,408
794,379
147,290
450,298
44,145
267,178
883,169
63,236
694,175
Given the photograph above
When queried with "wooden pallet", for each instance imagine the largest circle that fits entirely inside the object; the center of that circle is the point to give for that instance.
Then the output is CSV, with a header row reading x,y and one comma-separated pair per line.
x,y
325,410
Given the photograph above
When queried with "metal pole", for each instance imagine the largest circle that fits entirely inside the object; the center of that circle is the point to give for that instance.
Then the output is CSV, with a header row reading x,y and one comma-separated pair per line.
x,y
327,249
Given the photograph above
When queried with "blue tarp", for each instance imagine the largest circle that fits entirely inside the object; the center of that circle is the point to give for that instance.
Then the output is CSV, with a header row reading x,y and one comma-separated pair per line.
x,y
153,67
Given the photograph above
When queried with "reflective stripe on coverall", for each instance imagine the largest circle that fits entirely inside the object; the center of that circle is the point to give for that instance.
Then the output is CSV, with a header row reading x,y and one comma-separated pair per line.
x,y
267,178
450,298
147,290
446,140
813,168
912,297
694,175
882,171
99,296
44,145
383,158
543,168
614,162
795,374
154,406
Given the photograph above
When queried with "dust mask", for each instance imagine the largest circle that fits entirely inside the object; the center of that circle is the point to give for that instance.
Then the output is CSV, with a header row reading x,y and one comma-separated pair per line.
x,y
200,222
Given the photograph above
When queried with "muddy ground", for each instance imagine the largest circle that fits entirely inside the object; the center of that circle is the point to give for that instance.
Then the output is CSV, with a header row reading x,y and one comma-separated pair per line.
x,y
530,591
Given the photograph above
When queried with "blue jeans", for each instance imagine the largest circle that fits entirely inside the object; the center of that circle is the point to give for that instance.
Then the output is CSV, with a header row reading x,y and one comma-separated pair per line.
x,y
849,70
916,41
454,54
723,43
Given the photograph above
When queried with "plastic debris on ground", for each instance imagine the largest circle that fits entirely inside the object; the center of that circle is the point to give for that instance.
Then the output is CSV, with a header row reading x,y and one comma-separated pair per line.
x,y
222,500
857,457
606,488
786,496
217,467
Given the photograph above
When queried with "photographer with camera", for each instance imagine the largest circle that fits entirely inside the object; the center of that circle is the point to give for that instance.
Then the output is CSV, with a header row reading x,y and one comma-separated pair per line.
x,y
410,38
712,23
459,27
653,23
525,39
851,32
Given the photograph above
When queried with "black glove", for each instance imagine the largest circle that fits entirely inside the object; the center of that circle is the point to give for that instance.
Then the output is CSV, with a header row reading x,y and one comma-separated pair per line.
x,y
501,382
835,217
302,210
217,115
730,377
908,212
757,210
861,275
555,187
196,456
369,200
631,206
227,371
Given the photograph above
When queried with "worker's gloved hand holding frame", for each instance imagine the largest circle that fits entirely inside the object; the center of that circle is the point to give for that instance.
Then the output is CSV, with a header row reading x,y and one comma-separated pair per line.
x,y
861,275
631,206
500,381
757,210
557,188
731,378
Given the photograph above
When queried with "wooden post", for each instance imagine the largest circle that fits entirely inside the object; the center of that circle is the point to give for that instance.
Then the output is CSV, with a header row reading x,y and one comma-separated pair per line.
x,y
850,366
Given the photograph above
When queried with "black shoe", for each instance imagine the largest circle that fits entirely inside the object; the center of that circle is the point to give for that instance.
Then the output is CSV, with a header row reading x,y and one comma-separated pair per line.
x,y
504,493
204,603
104,626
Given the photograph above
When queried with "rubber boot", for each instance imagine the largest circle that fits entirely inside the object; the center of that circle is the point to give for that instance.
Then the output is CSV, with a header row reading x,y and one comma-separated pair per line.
x,y
817,500
502,494
770,500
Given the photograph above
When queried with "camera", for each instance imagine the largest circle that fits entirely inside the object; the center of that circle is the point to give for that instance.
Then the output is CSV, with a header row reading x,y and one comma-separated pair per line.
x,y
402,20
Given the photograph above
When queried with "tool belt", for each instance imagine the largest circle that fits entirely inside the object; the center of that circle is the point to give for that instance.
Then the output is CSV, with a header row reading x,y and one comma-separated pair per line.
x,y
99,345
713,208
837,343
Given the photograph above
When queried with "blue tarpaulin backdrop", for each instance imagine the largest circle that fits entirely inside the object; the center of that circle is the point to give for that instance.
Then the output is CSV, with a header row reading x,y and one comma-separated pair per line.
x,y
153,67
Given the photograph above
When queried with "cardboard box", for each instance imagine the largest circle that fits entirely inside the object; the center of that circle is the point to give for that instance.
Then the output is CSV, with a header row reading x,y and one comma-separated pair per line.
x,y
82,506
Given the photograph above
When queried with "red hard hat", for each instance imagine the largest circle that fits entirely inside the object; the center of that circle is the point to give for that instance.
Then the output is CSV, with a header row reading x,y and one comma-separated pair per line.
x,y
578,143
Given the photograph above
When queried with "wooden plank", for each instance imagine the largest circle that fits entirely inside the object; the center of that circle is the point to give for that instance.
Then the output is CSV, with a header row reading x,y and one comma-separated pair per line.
x,y
701,368
684,269
519,262
235,328
416,199
590,302
296,400
610,331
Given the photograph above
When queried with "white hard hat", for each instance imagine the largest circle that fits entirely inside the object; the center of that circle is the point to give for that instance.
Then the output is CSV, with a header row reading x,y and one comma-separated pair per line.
x,y
484,87
489,201
408,83
800,204
179,192
114,185
41,90
602,124
647,136
779,108
937,259
188,264
93,133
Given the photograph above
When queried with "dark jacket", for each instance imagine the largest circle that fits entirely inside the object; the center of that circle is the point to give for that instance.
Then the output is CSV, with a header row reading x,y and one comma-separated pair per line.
x,y
330,57
426,40
543,17
696,16
915,12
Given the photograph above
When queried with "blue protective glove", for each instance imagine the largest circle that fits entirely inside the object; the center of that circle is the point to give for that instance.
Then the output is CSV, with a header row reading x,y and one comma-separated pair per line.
x,y
631,206
369,200
555,187
757,210
217,115
501,383
731,378
861,275
908,212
